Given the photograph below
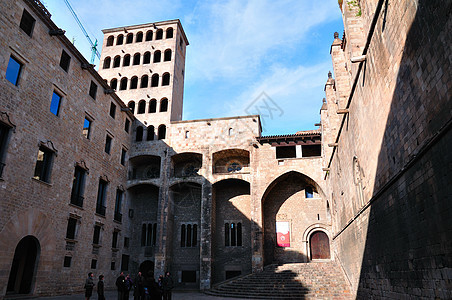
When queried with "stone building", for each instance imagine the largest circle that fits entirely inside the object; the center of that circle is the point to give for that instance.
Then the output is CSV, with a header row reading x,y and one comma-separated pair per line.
x,y
99,172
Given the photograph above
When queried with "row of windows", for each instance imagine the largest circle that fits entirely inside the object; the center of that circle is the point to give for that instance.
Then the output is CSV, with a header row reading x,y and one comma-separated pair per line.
x,y
152,106
127,59
144,83
150,135
129,38
124,263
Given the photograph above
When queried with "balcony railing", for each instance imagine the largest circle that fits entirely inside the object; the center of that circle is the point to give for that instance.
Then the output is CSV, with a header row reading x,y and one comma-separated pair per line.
x,y
2,165
232,169
77,200
118,216
100,209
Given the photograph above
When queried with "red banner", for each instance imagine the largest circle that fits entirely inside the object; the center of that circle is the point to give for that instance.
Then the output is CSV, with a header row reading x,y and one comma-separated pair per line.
x,y
283,234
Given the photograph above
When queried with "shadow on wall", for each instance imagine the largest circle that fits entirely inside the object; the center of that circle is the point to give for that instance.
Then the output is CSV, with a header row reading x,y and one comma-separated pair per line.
x,y
408,248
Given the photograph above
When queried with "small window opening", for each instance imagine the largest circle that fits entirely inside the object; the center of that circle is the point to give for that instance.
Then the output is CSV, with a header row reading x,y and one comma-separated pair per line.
x,y
163,105
110,40
114,83
131,106
116,61
147,58
162,132
165,79
120,39
123,84
144,81
167,55
169,33
150,133
129,39
159,34
157,56
27,22
107,62
108,142
139,37
149,36
93,90
152,106
55,103
65,61
13,70
112,110
136,59
139,134
126,60
133,83
141,107
155,80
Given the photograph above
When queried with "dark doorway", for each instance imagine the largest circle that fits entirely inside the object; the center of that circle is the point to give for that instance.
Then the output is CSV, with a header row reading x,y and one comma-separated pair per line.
x,y
24,265
147,268
320,245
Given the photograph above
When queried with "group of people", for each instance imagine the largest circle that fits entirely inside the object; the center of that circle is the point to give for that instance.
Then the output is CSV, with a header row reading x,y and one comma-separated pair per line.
x,y
144,287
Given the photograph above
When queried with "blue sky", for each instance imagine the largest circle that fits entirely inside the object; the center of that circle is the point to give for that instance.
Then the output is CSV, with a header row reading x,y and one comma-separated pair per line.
x,y
244,57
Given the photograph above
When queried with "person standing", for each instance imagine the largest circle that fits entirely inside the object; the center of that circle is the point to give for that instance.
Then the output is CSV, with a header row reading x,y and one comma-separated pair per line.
x,y
138,291
89,285
167,286
100,288
128,286
121,286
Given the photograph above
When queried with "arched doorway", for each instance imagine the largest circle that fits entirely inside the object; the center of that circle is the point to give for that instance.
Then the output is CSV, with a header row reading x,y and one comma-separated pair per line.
x,y
319,245
24,265
147,268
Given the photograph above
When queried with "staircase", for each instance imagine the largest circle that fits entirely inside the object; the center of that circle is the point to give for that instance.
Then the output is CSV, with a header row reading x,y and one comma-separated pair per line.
x,y
319,280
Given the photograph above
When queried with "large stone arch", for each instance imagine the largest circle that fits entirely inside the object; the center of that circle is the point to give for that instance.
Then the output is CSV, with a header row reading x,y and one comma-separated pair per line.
x,y
285,204
35,223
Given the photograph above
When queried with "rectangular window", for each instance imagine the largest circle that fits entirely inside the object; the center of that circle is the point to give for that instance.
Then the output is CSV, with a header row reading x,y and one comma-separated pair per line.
x,y
67,261
71,228
123,156
78,186
114,240
101,197
233,234
126,242
43,164
148,234
13,70
108,141
286,152
127,125
27,22
189,235
55,104
4,133
96,235
65,61
113,266
125,263
87,128
118,204
94,264
112,110
93,90
311,150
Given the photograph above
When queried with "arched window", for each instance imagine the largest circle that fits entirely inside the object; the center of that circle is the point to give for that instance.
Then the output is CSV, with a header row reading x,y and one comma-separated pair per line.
x,y
147,57
131,105
126,60
309,193
107,62
139,37
141,107
139,135
116,61
150,134
167,56
120,39
162,132
144,81
110,41
165,79
157,56
163,105
114,83
153,106
155,80
149,35
136,59
230,131
133,83
169,33
123,84
159,34
129,39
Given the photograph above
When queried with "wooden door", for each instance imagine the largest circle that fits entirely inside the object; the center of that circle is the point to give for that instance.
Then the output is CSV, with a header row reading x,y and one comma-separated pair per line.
x,y
320,245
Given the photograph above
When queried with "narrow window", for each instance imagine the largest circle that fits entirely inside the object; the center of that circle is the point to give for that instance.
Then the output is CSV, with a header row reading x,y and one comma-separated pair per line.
x,y
4,133
157,56
189,235
117,61
309,193
226,234
78,186
108,141
233,235
71,228
67,261
118,204
112,110
129,39
110,40
169,33
141,107
125,262
94,264
149,36
144,81
182,235
167,55
113,266
27,22
96,235
120,39
126,242
147,58
55,103
123,156
114,240
127,125
163,105
149,235
150,133
107,62
126,60
195,235
139,135
154,234
123,84
136,59
153,106
93,90
155,80
143,235
159,34
239,234
187,134
101,197
65,60
139,37
162,132
165,79
134,83
13,70
131,106
114,83
43,164
181,42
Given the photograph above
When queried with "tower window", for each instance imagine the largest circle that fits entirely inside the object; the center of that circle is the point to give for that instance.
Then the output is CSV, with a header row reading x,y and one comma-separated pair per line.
x,y
120,39
65,60
149,36
110,41
162,132
163,105
116,61
157,56
150,133
153,106
123,156
155,80
136,59
129,39
107,62
159,34
139,134
146,57
165,79
13,70
133,82
118,203
123,84
114,83
27,22
169,33
126,60
139,37
167,56
141,107
127,125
